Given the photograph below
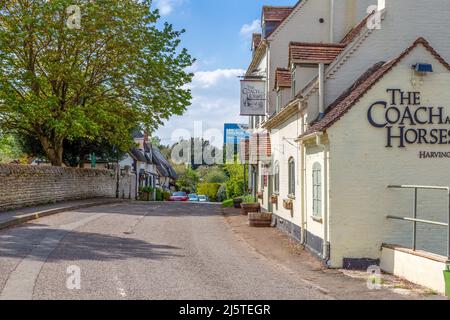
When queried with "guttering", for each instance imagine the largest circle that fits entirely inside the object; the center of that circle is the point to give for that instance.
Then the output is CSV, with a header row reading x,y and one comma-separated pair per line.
x,y
257,57
289,110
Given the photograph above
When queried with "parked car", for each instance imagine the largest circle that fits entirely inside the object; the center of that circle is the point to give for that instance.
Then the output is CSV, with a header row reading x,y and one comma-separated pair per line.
x,y
193,198
203,198
179,197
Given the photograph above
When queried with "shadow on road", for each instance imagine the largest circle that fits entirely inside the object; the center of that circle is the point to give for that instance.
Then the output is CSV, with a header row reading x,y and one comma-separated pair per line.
x,y
78,246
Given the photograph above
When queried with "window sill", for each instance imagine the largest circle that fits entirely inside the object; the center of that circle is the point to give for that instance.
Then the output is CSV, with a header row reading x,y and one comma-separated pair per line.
x,y
291,196
317,219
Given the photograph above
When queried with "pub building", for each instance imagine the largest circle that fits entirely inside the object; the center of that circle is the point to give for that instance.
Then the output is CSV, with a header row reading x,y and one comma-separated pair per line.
x,y
357,101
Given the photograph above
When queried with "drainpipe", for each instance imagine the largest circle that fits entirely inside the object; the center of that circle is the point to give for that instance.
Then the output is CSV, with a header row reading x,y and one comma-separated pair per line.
x,y
303,194
326,248
321,90
331,21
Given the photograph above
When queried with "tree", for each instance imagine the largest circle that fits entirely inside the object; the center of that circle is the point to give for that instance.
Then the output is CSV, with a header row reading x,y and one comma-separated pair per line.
x,y
96,82
75,151
235,185
188,181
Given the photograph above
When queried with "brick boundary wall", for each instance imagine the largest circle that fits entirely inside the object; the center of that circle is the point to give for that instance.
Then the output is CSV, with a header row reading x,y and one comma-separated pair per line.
x,y
24,186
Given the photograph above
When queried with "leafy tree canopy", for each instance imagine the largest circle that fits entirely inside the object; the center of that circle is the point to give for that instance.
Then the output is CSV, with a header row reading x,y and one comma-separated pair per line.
x,y
96,82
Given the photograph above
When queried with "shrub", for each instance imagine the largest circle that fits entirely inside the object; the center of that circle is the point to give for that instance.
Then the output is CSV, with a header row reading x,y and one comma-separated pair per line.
x,y
227,203
222,193
146,189
209,189
248,199
159,195
166,196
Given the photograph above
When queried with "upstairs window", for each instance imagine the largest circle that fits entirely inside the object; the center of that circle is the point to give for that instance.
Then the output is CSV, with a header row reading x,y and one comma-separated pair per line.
x,y
317,190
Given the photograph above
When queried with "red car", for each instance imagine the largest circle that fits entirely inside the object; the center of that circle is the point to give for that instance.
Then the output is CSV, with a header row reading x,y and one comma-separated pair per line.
x,y
179,197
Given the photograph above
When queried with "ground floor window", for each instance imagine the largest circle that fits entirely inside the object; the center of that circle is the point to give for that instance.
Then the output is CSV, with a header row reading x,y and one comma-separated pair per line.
x,y
276,178
291,176
317,189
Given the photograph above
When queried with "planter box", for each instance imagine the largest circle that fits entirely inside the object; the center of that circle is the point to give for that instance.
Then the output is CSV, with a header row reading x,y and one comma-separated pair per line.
x,y
250,207
259,220
145,196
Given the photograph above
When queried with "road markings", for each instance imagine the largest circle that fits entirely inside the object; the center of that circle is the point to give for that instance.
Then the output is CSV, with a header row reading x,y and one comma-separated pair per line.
x,y
21,282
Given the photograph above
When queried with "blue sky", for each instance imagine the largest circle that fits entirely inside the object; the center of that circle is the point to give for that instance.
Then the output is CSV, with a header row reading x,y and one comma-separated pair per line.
x,y
218,34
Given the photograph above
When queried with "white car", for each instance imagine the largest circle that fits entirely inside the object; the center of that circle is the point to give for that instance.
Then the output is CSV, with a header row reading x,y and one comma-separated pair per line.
x,y
203,198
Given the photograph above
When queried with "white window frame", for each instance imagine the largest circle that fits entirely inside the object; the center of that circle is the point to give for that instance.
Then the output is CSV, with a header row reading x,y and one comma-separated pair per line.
x,y
317,194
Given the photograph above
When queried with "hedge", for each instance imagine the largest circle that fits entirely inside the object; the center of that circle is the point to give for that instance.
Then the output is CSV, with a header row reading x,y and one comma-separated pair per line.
x,y
209,189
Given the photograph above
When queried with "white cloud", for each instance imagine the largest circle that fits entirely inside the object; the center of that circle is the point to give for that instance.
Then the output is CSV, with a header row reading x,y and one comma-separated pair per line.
x,y
248,29
207,79
215,102
166,7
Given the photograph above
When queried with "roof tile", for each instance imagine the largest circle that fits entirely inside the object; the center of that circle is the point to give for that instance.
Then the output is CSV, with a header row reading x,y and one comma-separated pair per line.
x,y
301,52
283,78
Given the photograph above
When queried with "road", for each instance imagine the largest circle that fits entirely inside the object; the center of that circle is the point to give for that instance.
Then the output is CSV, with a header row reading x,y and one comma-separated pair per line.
x,y
140,251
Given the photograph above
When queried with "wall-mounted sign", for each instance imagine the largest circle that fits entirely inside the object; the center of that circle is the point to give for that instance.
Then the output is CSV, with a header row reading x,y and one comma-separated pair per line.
x,y
407,122
253,98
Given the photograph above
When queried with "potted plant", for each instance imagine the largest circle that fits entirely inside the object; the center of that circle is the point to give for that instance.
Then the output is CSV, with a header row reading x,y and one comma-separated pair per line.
x,y
288,204
237,203
249,204
145,193
274,199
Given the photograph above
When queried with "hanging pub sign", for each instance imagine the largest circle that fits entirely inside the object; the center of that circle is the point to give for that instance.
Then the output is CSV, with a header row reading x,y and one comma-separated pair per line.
x,y
407,122
253,97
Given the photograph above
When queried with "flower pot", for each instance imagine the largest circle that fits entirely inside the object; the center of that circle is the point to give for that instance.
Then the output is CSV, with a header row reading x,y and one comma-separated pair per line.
x,y
274,199
288,204
250,207
259,220
237,203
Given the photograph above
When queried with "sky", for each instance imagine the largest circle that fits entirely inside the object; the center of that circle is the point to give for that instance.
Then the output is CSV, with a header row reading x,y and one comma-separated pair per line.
x,y
218,35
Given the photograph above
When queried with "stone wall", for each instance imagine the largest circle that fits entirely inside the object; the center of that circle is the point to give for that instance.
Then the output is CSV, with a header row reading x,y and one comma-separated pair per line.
x,y
22,186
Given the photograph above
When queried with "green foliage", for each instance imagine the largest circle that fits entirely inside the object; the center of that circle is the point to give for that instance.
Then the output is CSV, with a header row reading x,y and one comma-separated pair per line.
x,y
146,189
227,203
75,152
187,181
216,176
222,193
159,195
248,199
96,83
235,184
209,189
9,148
166,196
